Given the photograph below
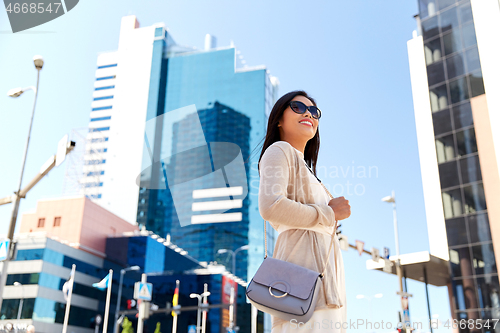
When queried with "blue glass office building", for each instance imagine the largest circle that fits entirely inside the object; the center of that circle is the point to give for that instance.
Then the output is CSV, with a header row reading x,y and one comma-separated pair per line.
x,y
232,105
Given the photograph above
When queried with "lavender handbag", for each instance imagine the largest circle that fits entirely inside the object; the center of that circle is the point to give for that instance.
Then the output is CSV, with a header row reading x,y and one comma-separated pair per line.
x,y
284,289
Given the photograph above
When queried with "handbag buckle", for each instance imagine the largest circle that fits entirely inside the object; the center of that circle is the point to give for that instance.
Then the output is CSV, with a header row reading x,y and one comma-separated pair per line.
x,y
276,295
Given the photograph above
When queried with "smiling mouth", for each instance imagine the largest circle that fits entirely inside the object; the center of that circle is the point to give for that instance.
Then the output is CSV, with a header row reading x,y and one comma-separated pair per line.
x,y
306,123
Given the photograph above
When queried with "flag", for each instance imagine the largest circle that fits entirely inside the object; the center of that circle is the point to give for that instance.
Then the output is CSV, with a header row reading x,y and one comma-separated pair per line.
x,y
175,299
103,284
67,286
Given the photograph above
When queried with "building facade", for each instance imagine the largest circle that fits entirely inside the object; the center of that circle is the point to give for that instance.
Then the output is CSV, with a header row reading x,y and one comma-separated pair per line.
x,y
455,79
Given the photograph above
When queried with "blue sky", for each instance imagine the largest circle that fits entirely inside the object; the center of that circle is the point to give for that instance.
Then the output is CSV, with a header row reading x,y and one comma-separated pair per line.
x,y
351,56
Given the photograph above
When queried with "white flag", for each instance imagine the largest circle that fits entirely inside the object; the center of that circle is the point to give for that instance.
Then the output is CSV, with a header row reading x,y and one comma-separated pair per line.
x,y
67,285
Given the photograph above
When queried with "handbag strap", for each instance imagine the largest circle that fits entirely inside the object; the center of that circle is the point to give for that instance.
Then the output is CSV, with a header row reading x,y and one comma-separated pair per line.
x,y
333,234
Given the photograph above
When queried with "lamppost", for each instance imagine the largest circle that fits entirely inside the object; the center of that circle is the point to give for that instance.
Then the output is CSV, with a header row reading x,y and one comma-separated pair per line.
x,y
392,199
20,308
369,298
38,61
233,253
119,298
200,297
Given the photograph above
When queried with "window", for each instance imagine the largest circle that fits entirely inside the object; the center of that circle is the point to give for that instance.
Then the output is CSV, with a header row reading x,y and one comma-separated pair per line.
x,y
435,73
479,228
488,288
476,83
427,8
442,4
57,221
439,98
442,122
456,231
460,262
103,88
101,98
448,19
459,90
41,222
465,12
474,198
470,169
102,108
445,148
430,27
466,142
483,258
107,66
472,56
452,203
465,292
105,78
448,174
452,42
462,115
455,65
469,35
432,51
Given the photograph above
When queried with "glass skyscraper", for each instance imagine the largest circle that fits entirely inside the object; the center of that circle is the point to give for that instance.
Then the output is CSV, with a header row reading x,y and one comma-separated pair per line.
x,y
454,75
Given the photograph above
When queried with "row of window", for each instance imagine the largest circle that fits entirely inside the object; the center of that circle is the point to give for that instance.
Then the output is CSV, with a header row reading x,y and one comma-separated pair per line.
x,y
98,140
479,292
105,78
99,129
473,260
452,119
450,19
464,200
97,184
451,67
100,118
471,229
57,222
456,145
431,7
107,66
102,98
104,88
102,108
463,171
95,173
92,162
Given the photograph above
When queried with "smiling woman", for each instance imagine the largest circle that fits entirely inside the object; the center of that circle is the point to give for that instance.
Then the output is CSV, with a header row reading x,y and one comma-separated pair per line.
x,y
292,199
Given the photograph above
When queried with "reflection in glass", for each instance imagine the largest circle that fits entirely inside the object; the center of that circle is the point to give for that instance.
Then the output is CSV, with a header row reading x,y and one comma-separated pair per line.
x,y
469,34
452,203
483,258
460,262
465,11
468,317
448,19
426,8
439,98
455,65
459,90
445,148
470,169
456,231
474,198
479,228
476,83
452,42
448,174
466,142
472,56
489,289
435,73
442,122
465,293
430,27
462,115
442,4
432,51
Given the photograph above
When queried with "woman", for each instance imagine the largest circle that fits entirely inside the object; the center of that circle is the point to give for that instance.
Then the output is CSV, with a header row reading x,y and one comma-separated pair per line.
x,y
297,206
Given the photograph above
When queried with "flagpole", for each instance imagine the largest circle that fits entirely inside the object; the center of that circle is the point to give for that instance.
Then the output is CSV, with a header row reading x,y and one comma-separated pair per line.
x,y
108,297
68,302
174,303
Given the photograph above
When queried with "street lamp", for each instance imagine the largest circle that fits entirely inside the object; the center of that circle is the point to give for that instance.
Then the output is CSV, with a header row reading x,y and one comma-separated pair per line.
x,y
20,308
369,298
38,61
200,297
233,253
119,298
392,199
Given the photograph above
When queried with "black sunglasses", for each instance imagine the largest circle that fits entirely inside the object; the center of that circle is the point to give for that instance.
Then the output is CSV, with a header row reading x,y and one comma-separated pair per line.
x,y
300,108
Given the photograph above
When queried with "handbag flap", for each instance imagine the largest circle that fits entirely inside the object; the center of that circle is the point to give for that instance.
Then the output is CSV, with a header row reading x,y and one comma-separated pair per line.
x,y
300,280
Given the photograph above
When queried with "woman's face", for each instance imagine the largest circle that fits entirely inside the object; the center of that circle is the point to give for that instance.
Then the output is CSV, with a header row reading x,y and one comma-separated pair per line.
x,y
300,127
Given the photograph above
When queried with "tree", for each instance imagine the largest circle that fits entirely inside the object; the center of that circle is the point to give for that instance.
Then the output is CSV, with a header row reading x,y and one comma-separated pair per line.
x,y
127,326
157,330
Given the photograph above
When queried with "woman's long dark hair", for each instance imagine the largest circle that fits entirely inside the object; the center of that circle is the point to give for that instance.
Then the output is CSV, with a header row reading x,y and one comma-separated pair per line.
x,y
273,134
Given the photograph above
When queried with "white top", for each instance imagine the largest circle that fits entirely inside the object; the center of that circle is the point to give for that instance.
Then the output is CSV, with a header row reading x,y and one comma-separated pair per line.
x,y
321,197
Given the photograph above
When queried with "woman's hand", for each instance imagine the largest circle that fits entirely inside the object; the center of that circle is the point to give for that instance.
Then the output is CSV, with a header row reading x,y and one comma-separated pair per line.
x,y
340,207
